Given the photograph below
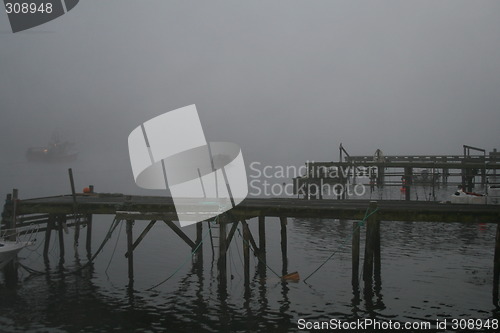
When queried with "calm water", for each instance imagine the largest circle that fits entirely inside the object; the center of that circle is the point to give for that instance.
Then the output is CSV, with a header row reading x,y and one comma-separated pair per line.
x,y
429,271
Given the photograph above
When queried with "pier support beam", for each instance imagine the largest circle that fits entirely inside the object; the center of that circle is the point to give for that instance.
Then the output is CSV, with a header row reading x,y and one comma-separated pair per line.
x,y
496,268
370,245
408,182
262,243
60,229
246,253
10,270
48,233
199,239
221,262
88,240
355,252
130,251
284,252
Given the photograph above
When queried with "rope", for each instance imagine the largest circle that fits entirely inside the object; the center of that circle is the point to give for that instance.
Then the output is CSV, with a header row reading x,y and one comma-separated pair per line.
x,y
182,265
114,249
360,223
257,256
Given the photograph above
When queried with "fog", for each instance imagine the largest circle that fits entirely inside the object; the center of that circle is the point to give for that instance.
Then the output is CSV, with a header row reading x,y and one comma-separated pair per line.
x,y
286,80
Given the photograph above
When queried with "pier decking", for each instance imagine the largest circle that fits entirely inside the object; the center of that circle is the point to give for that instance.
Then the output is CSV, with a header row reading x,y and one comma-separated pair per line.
x,y
155,207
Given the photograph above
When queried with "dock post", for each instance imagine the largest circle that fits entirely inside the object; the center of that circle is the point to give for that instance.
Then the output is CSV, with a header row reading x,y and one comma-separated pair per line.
x,y
496,268
130,251
246,253
48,233
262,243
199,239
221,263
355,252
88,240
10,270
376,248
284,255
369,245
60,229
408,182
77,219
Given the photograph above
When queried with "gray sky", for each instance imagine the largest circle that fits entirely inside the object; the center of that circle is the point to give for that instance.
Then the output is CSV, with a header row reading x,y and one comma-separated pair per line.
x,y
286,80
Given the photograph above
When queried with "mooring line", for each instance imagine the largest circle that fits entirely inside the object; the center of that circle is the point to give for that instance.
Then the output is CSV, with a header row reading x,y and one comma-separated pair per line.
x,y
360,223
257,255
183,264
114,249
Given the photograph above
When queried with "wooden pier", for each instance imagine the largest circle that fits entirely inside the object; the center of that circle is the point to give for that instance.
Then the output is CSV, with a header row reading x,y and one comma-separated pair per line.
x,y
57,212
404,171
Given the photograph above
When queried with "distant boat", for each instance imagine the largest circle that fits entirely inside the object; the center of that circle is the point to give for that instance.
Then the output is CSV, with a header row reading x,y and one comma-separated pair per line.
x,y
468,198
8,251
56,151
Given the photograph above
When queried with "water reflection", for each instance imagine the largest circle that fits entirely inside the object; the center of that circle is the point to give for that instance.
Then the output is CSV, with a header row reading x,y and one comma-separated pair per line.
x,y
422,267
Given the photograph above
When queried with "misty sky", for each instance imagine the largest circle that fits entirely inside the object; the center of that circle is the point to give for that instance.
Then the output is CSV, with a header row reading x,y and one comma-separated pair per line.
x,y
286,80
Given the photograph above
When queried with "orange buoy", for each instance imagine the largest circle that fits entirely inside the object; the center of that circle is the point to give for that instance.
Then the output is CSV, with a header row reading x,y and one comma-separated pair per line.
x,y
293,277
86,190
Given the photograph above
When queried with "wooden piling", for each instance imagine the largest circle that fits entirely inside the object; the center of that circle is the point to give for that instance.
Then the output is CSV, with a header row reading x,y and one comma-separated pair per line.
x,y
408,182
376,248
48,233
262,242
246,254
10,269
88,240
355,252
284,254
496,268
60,231
130,251
199,240
369,245
221,262
77,220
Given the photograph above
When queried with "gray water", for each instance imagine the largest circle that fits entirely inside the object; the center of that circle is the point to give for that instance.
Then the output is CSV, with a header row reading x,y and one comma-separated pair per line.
x,y
429,271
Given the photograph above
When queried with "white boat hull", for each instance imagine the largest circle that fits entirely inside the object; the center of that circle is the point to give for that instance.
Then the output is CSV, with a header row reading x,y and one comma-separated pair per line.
x,y
9,250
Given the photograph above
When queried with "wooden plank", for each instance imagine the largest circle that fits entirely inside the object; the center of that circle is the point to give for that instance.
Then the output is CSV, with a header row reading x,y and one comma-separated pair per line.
x,y
284,251
141,237
250,238
231,233
246,253
130,257
180,233
355,252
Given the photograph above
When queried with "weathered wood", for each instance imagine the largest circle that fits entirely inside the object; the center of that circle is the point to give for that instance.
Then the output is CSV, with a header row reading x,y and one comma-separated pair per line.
x,y
221,262
60,229
199,241
48,233
369,248
496,268
284,251
180,233
376,248
231,233
88,240
262,241
355,251
77,224
141,237
160,208
250,238
246,253
129,227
